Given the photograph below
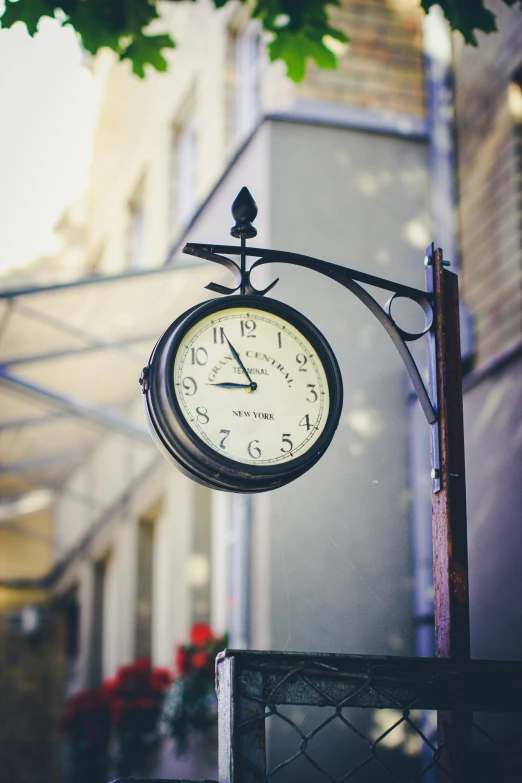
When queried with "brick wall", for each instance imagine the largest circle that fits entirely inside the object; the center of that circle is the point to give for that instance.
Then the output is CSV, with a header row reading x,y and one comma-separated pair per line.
x,y
490,197
383,66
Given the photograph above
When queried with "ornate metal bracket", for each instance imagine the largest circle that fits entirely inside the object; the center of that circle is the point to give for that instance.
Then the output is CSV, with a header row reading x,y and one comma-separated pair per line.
x,y
244,211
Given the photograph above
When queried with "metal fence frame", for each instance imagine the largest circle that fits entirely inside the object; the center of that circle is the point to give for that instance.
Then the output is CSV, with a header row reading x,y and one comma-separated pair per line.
x,y
252,684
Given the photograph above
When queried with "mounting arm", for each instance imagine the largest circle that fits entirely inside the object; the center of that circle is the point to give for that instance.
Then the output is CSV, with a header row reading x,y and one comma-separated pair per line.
x,y
347,278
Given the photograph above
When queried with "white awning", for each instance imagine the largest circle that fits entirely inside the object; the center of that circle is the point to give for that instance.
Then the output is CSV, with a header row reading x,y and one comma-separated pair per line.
x,y
70,358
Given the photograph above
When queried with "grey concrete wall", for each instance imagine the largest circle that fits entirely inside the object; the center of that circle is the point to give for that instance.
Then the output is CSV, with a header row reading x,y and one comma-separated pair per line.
x,y
340,535
333,550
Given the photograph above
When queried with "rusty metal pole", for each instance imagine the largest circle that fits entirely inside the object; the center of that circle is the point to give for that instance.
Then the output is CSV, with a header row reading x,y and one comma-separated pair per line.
x,y
449,524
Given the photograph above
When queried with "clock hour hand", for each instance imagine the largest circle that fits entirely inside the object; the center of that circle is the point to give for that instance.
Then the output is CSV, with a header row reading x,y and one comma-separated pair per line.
x,y
227,385
252,384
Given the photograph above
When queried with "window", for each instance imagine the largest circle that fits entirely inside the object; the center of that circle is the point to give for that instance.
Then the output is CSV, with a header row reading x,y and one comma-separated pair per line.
x,y
183,170
515,97
72,627
186,154
247,79
70,610
242,80
98,607
136,230
515,110
144,595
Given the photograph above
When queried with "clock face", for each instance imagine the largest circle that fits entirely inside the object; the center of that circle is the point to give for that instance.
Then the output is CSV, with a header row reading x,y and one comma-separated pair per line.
x,y
242,394
251,385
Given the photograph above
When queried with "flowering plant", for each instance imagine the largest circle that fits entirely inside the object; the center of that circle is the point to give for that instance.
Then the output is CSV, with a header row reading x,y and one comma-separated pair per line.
x,y
126,707
136,691
136,695
86,722
191,701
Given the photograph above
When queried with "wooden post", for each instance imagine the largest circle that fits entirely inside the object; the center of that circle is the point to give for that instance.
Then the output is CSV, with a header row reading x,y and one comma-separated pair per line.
x,y
449,524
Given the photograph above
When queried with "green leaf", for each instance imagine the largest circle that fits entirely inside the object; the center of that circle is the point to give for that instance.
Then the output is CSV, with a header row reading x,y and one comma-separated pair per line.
x,y
301,36
466,16
300,13
339,35
295,47
147,50
99,22
221,3
27,11
298,27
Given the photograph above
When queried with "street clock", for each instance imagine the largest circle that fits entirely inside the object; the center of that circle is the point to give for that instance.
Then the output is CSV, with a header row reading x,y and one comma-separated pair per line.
x,y
243,393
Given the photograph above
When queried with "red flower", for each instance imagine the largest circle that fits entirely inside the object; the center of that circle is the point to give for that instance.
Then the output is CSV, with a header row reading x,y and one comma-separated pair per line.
x,y
89,731
160,680
199,660
130,702
133,677
123,679
147,703
143,666
182,661
109,686
200,634
87,705
119,708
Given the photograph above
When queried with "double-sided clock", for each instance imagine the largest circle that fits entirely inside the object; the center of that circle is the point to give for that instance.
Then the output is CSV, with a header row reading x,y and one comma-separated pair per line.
x,y
243,393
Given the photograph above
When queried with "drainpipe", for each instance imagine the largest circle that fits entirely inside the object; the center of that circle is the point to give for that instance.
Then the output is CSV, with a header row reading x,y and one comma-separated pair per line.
x,y
443,155
438,59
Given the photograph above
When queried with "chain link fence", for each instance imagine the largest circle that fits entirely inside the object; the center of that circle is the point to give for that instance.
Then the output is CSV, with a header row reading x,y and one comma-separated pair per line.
x,y
291,717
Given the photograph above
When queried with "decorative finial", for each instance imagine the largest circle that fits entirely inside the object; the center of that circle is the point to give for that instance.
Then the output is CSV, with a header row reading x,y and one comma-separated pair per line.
x,y
244,211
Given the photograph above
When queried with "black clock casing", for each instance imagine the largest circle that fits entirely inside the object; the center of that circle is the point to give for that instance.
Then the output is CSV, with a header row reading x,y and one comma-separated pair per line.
x,y
182,446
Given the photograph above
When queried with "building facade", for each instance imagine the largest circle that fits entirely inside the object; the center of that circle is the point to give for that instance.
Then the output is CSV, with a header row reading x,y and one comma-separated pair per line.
x,y
488,103
346,166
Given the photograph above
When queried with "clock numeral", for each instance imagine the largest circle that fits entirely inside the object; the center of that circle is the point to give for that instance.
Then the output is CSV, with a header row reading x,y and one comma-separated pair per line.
x,y
199,356
190,386
252,449
313,392
305,422
222,443
301,360
219,336
286,439
279,340
248,328
202,415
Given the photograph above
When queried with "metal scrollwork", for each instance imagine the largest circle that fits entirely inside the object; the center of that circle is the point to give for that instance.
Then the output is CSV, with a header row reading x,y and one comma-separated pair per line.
x,y
244,211
428,317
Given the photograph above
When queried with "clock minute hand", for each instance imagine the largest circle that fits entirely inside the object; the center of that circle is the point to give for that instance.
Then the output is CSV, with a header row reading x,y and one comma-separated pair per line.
x,y
253,384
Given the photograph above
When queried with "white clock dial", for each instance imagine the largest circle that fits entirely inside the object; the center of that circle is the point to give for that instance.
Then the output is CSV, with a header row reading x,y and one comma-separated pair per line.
x,y
272,414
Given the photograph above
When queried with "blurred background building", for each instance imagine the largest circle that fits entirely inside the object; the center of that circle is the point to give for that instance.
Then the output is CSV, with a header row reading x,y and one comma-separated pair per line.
x,y
106,552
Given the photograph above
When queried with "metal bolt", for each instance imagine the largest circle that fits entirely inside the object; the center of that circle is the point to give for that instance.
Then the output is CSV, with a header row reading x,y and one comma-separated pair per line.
x,y
427,262
435,473
144,380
